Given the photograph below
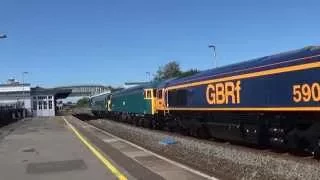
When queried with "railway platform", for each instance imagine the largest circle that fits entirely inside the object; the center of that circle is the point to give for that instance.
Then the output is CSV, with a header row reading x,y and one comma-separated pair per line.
x,y
66,148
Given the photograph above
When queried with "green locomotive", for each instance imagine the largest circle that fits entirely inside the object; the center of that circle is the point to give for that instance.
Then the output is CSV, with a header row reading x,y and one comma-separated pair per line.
x,y
98,104
135,105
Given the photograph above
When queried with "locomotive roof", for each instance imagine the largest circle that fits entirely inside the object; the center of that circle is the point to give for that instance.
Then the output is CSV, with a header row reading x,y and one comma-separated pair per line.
x,y
100,96
137,88
267,62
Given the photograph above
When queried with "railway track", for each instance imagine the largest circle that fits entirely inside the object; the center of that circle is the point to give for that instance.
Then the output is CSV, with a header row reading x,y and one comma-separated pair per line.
x,y
284,152
215,157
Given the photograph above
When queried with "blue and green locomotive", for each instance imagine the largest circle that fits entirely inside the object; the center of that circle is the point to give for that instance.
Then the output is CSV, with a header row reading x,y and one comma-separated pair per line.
x,y
272,101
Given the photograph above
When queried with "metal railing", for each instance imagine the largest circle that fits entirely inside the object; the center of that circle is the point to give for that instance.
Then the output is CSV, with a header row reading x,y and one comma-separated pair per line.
x,y
9,106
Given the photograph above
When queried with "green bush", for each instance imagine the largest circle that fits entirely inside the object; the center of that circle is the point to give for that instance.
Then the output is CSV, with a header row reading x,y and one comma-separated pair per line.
x,y
83,102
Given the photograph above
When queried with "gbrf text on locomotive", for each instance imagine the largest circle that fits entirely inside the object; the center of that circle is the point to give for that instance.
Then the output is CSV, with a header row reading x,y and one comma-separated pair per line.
x,y
223,92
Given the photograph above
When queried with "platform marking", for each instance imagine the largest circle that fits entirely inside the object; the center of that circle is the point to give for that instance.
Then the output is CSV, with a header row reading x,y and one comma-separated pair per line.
x,y
110,140
96,152
157,155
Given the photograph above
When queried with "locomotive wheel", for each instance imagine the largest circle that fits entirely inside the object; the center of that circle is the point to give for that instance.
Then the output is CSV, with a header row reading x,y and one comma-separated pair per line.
x,y
192,132
154,124
314,148
140,122
183,131
136,121
202,133
316,151
149,123
146,123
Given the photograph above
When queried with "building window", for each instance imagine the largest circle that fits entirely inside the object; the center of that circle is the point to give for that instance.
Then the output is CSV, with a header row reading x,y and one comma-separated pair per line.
x,y
34,105
44,104
49,97
42,97
40,105
50,104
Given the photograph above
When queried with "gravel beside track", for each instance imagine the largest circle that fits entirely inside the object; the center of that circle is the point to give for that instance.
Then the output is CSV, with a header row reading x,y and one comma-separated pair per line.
x,y
221,160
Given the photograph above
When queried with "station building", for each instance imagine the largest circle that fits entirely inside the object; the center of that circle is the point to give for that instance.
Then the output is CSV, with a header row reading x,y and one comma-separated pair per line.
x,y
36,101
13,93
43,101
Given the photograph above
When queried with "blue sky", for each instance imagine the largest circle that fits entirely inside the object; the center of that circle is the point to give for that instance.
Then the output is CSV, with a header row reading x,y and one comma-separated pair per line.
x,y
64,42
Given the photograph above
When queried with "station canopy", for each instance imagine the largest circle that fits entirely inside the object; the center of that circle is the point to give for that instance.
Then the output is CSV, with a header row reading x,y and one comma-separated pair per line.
x,y
58,93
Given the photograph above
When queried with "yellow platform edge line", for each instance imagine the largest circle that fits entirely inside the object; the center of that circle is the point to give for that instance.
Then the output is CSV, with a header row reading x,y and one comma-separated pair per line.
x,y
96,152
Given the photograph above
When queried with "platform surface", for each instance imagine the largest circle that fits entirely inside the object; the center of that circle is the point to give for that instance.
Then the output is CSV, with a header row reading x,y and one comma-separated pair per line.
x,y
46,148
42,148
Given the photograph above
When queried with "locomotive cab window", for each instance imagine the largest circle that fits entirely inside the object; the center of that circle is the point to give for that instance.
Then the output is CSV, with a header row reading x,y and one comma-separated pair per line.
x,y
148,93
160,94
154,93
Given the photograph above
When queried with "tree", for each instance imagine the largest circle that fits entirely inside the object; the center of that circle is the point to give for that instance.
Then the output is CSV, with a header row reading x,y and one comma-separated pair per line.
x,y
189,73
170,70
83,102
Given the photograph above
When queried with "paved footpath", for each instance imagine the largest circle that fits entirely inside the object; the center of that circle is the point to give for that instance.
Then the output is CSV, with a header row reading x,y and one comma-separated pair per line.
x,y
43,148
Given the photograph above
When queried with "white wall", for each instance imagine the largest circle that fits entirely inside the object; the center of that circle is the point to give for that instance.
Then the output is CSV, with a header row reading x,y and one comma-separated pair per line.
x,y
14,88
26,100
17,93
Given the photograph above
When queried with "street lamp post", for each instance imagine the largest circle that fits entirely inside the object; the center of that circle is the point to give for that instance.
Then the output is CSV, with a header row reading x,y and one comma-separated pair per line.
x,y
23,73
148,76
213,47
